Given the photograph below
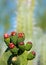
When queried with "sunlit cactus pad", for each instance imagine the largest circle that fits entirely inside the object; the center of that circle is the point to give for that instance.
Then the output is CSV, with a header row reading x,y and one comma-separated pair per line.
x,y
17,51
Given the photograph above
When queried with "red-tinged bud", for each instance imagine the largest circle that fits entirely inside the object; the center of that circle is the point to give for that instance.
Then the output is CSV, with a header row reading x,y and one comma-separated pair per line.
x,y
20,34
11,45
6,35
13,33
29,42
33,52
21,43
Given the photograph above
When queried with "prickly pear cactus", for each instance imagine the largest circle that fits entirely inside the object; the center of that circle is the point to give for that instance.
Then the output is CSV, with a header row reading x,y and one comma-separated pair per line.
x,y
17,51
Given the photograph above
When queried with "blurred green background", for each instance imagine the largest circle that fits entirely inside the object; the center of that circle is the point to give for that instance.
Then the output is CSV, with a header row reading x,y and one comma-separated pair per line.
x,y
8,23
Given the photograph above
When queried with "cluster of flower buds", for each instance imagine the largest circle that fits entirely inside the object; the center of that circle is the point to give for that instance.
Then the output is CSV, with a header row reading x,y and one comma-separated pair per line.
x,y
15,42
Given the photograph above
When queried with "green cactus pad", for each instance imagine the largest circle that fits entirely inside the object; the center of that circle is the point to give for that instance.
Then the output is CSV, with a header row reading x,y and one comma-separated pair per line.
x,y
14,50
13,39
21,39
4,58
6,55
30,56
28,47
7,41
22,48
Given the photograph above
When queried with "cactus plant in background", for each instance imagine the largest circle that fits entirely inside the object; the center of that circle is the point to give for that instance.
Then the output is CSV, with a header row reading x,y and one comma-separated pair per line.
x,y
17,54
